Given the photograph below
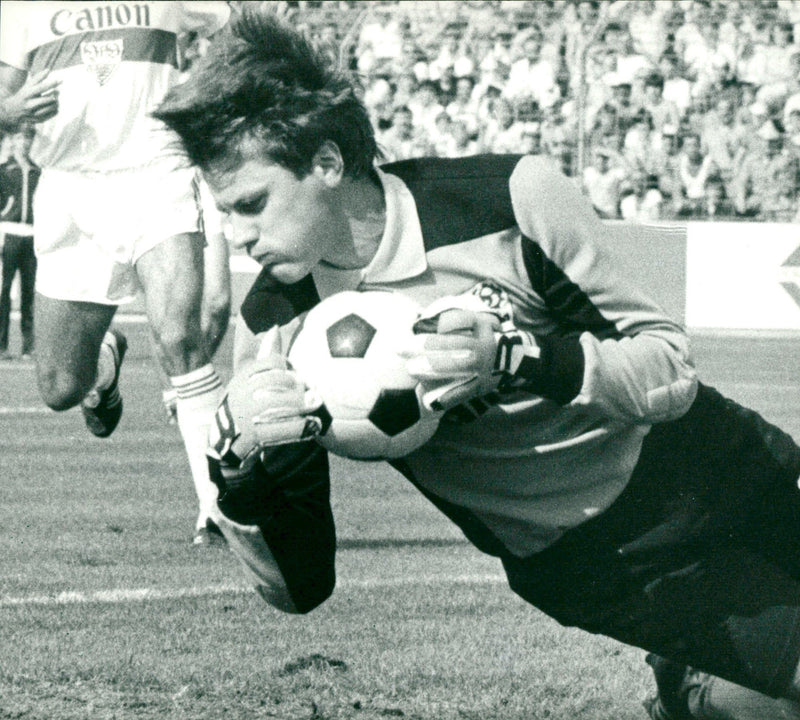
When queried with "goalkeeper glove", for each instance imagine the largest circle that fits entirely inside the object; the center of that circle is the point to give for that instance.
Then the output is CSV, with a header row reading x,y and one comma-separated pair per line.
x,y
265,405
463,349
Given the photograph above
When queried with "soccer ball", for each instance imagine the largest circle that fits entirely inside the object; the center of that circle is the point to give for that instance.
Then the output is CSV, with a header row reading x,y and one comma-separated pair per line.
x,y
344,352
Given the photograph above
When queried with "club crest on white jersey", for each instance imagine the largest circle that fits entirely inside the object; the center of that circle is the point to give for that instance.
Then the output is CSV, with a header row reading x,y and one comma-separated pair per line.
x,y
102,57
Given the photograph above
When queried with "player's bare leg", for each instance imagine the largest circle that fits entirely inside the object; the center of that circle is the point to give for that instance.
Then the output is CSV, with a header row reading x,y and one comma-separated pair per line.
x,y
69,336
172,276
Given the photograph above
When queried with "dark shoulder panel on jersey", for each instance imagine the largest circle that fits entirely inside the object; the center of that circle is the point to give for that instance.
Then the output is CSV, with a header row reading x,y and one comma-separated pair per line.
x,y
459,199
269,303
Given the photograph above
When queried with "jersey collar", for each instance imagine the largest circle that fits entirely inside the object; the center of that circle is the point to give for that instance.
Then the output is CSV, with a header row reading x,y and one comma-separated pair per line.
x,y
401,253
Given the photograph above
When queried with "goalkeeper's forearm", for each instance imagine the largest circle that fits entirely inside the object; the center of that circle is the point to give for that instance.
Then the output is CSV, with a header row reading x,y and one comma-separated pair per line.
x,y
277,518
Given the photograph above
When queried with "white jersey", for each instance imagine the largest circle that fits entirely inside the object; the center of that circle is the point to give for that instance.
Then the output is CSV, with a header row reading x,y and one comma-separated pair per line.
x,y
115,61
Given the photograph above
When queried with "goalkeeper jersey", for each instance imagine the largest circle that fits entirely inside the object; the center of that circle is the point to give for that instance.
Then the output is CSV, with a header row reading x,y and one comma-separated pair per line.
x,y
516,474
115,61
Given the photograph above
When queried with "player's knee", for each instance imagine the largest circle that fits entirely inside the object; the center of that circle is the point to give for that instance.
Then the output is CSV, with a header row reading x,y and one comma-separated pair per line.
x,y
61,390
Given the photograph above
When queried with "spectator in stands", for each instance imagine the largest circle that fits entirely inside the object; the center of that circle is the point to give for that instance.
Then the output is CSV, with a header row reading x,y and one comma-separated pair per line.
x,y
600,73
447,85
503,133
442,140
559,143
677,88
500,54
639,143
379,99
425,106
403,139
380,40
791,90
485,96
641,200
604,181
405,88
662,111
766,186
450,52
708,59
581,20
464,106
621,100
666,164
628,62
606,130
694,168
717,203
791,123
647,24
464,142
531,140
772,64
722,137
532,76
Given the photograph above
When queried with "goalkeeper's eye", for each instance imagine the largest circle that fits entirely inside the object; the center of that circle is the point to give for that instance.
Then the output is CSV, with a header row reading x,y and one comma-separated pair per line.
x,y
251,206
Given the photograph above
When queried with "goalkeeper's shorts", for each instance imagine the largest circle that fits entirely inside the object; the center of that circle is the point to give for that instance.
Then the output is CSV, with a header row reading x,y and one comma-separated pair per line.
x,y
699,558
91,228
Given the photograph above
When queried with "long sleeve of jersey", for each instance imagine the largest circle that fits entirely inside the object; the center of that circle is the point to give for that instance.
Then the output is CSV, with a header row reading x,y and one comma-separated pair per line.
x,y
277,516
612,349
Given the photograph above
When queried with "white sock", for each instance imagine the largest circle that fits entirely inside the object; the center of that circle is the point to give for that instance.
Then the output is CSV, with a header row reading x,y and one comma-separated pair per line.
x,y
199,393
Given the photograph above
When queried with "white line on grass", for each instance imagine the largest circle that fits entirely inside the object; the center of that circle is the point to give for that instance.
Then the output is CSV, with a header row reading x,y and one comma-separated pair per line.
x,y
26,411
132,595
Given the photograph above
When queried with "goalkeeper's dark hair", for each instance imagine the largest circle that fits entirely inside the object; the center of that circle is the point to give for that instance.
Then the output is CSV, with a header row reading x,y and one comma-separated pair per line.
x,y
264,85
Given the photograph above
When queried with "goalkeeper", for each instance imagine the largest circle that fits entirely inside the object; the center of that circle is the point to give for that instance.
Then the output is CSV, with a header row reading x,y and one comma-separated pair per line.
x,y
622,495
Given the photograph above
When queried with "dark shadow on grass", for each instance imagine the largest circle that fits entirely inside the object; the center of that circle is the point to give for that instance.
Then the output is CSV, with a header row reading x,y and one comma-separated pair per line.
x,y
378,543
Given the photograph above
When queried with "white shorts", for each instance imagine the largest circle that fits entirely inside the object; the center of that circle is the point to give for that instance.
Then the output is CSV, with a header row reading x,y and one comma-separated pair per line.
x,y
91,228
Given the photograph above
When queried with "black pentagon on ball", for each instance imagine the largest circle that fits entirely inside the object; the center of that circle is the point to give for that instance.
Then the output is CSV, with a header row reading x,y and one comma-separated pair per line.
x,y
395,411
350,337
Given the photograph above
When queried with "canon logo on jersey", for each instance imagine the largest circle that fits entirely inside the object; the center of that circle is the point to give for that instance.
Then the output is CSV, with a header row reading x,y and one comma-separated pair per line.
x,y
100,17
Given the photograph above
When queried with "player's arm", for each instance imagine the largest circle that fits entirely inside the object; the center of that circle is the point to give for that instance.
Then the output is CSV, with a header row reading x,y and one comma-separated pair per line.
x,y
26,98
621,354
273,503
273,500
615,351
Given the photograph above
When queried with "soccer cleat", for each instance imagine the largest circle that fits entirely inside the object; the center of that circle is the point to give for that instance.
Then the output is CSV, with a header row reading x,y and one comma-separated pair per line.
x,y
103,416
208,536
670,702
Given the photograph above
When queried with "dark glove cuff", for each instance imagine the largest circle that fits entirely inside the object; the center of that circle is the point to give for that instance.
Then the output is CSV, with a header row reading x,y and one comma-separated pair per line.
x,y
251,496
558,373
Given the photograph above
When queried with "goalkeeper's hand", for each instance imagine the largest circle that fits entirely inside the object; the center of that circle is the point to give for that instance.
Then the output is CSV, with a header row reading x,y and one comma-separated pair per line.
x,y
462,350
265,405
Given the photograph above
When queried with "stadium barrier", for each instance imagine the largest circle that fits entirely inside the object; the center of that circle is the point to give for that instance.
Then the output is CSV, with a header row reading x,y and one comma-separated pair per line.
x,y
709,276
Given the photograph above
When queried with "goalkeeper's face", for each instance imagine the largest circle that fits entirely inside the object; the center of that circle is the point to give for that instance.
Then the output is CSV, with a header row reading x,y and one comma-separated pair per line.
x,y
287,224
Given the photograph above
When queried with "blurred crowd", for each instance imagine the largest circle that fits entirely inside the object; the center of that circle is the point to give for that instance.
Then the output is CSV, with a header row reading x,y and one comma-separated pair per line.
x,y
660,108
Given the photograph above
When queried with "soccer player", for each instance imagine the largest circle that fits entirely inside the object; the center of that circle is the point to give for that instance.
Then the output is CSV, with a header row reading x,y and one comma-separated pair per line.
x,y
622,495
18,179
116,208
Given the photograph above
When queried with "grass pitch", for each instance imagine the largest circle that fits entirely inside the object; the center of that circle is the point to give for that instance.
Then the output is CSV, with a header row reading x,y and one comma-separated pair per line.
x,y
107,611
